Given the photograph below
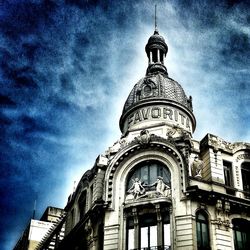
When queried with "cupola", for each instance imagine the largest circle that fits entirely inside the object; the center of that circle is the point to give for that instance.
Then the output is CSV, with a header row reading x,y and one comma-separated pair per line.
x,y
156,50
157,99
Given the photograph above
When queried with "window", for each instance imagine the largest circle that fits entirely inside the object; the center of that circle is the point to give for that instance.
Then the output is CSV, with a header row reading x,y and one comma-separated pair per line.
x,y
148,171
228,174
245,172
202,231
154,51
82,204
148,233
241,234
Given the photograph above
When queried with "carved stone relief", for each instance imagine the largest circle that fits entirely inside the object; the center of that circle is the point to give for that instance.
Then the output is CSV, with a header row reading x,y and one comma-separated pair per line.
x,y
141,190
197,167
222,215
144,137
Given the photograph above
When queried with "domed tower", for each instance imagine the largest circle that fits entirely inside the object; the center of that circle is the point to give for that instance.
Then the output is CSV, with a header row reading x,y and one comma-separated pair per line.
x,y
156,187
157,99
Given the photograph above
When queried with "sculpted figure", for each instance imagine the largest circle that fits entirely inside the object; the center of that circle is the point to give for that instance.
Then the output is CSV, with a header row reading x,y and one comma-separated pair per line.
x,y
136,189
144,137
161,187
197,167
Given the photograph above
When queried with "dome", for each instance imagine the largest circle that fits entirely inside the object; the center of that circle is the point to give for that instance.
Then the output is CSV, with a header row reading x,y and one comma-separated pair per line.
x,y
155,87
156,41
156,98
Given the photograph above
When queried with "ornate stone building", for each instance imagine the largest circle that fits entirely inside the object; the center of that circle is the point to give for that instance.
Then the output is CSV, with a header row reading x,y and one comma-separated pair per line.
x,y
157,187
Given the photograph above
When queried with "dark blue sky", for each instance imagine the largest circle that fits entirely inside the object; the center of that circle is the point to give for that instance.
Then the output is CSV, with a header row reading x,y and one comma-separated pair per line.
x,y
67,68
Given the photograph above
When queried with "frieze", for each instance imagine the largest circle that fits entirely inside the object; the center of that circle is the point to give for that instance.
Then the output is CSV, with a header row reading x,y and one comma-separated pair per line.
x,y
165,113
218,143
243,157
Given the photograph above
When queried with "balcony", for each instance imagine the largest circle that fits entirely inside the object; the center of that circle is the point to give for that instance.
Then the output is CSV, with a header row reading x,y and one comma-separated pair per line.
x,y
154,248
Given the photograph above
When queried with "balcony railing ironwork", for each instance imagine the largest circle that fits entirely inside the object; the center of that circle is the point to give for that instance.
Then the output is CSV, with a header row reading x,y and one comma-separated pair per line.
x,y
154,248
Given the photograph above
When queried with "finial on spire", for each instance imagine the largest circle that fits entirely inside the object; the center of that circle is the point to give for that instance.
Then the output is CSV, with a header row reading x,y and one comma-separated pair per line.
x,y
156,30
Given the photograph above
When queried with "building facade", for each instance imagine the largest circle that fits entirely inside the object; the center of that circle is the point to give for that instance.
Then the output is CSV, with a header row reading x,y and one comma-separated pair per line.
x,y
38,230
157,187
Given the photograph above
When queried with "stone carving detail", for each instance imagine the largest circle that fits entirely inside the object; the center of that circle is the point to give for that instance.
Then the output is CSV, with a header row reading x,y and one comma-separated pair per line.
x,y
223,211
197,167
147,89
242,157
161,187
217,143
177,130
140,190
88,230
144,137
136,189
117,146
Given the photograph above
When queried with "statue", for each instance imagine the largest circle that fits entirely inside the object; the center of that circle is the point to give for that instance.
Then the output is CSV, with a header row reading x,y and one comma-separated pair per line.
x,y
197,167
136,189
161,187
143,138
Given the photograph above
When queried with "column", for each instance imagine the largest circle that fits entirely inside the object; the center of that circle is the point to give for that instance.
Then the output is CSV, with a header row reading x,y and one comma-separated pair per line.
x,y
150,57
158,55
136,228
159,225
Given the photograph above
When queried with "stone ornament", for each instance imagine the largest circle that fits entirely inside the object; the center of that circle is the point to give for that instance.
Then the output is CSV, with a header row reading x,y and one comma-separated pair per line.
x,y
161,187
144,137
117,146
197,167
138,189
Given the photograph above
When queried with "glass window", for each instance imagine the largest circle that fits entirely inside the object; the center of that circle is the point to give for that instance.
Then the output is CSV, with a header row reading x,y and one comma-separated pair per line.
x,y
245,172
147,172
228,173
148,229
82,204
130,233
202,231
241,229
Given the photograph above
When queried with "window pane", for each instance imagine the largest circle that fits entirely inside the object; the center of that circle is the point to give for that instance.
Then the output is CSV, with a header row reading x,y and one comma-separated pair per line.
x,y
166,176
205,240
167,234
153,173
201,217
239,240
144,174
144,237
131,244
244,239
198,231
153,236
148,172
245,171
228,173
241,234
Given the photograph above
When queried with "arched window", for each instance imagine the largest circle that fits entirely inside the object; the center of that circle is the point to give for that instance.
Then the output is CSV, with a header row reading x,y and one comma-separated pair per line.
x,y
241,229
148,172
148,226
202,231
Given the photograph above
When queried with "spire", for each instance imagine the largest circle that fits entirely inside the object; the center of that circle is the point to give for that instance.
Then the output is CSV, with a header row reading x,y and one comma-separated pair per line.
x,y
156,30
156,50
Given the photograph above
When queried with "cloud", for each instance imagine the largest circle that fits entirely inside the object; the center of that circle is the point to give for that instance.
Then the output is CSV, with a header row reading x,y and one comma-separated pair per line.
x,y
67,68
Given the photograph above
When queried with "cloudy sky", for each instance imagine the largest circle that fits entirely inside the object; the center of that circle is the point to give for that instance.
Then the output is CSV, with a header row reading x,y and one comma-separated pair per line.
x,y
67,68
